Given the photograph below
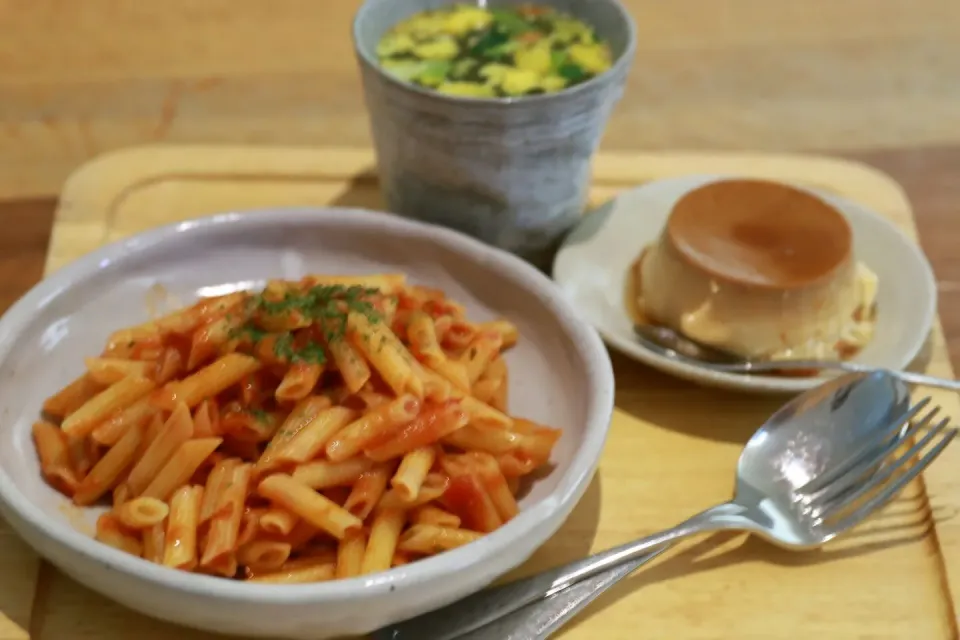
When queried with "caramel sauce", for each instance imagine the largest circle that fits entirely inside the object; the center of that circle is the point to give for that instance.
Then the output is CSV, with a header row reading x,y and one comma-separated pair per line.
x,y
632,291
761,234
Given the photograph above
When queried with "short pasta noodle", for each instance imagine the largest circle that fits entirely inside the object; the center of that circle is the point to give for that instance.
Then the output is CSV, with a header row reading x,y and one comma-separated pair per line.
x,y
321,429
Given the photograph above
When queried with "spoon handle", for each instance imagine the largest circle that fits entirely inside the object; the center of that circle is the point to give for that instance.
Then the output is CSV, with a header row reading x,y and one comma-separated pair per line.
x,y
541,619
793,365
484,607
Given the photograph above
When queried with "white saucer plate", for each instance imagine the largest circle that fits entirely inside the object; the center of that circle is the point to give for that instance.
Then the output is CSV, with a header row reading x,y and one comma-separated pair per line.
x,y
592,268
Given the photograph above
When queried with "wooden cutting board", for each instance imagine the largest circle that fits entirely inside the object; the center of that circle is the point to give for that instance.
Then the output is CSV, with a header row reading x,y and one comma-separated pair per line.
x,y
672,448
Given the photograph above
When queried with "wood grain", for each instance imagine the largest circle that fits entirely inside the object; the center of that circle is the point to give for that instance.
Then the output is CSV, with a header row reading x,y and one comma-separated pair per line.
x,y
670,450
81,78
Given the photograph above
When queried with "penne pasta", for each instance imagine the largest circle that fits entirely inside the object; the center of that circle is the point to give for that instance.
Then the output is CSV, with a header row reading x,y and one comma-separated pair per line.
x,y
309,505
206,419
207,382
180,540
114,398
482,415
315,435
153,542
479,354
301,535
176,431
495,441
170,364
467,497
109,468
374,426
72,397
429,514
371,399
109,431
303,414
225,522
120,495
384,535
180,467
221,474
430,539
249,525
278,521
154,427
110,531
422,333
108,371
322,474
263,555
348,360
412,471
318,572
507,331
433,488
434,422
350,553
141,513
298,382
206,341
330,427
54,455
84,454
488,471
249,426
382,349
367,490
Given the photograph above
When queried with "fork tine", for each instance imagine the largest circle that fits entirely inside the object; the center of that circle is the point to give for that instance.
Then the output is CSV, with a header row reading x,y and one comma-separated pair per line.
x,y
879,500
833,506
854,477
854,459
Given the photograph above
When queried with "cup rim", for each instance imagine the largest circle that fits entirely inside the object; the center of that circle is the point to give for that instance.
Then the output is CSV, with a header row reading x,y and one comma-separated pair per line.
x,y
619,65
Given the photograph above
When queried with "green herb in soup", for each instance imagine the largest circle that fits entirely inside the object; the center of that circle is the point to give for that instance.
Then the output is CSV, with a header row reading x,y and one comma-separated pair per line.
x,y
496,52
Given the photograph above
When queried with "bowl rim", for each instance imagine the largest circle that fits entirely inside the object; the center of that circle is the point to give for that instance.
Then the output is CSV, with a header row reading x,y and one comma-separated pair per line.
x,y
585,341
619,66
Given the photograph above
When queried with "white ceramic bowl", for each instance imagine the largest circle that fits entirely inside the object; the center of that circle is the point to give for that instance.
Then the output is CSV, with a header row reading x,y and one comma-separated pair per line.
x,y
593,262
560,375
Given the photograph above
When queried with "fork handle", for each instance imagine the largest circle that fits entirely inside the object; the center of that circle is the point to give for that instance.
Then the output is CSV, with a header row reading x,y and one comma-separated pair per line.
x,y
793,365
479,609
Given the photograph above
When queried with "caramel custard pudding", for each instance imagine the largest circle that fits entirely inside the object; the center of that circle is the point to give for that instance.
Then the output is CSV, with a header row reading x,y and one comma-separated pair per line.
x,y
759,269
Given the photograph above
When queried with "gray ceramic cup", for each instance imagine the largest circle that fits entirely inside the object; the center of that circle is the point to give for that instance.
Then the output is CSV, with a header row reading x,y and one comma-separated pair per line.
x,y
513,172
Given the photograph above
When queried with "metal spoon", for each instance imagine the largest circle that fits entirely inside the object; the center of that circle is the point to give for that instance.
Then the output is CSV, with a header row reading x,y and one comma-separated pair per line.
x,y
854,420
671,344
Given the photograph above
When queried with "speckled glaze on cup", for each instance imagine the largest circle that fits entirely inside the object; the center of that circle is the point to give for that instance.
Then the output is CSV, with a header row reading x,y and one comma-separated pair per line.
x,y
512,172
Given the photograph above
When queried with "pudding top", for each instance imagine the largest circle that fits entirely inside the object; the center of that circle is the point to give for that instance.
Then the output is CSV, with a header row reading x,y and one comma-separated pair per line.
x,y
760,234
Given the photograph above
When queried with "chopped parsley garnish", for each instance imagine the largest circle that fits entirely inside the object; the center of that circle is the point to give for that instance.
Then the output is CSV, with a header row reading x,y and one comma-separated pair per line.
x,y
327,305
310,353
260,415
248,331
